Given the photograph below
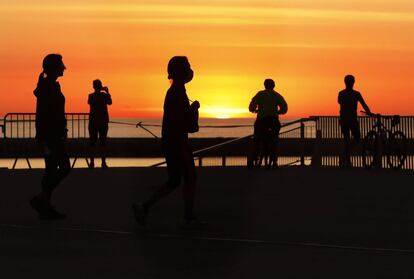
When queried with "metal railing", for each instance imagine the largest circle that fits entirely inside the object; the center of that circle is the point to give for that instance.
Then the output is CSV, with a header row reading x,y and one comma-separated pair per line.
x,y
322,129
294,129
21,125
330,130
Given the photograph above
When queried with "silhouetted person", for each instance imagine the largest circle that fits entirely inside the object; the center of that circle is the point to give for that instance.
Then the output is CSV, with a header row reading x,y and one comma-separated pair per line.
x,y
348,100
178,120
268,104
51,132
98,120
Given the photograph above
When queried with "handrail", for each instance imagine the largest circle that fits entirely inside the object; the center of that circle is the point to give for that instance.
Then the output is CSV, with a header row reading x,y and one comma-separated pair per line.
x,y
302,120
197,152
17,121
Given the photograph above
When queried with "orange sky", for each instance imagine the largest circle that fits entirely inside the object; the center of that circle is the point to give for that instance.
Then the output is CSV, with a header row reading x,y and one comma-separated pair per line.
x,y
305,46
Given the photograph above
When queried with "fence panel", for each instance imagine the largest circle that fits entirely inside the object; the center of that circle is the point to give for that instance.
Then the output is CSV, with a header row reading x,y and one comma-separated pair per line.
x,y
23,125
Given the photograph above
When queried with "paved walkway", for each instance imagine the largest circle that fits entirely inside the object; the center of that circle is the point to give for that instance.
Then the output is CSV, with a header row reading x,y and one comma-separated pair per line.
x,y
290,223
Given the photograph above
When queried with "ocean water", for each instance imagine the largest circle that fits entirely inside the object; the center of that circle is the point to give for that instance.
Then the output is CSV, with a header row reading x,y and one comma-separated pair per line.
x,y
120,127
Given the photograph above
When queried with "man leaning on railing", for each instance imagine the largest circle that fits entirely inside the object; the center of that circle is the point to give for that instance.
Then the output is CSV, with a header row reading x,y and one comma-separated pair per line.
x,y
348,101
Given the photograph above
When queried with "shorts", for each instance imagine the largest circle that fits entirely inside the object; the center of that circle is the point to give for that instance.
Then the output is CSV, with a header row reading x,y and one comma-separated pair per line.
x,y
180,162
350,126
98,131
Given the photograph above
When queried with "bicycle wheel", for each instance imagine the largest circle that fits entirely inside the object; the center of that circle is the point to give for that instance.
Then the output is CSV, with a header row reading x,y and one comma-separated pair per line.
x,y
258,161
370,149
396,150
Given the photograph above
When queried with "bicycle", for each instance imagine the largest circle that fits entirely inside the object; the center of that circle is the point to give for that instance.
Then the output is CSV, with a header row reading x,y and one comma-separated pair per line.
x,y
265,152
381,140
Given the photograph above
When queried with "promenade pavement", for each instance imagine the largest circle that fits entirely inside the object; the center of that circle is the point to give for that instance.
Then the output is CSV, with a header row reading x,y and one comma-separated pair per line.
x,y
295,222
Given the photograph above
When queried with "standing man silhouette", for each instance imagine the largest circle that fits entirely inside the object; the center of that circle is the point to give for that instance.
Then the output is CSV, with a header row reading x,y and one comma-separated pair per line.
x,y
179,119
348,101
51,132
98,120
268,104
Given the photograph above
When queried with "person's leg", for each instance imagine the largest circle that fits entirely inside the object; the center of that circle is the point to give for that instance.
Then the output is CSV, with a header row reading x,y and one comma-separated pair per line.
x,y
63,163
356,135
255,147
190,181
141,210
261,134
93,138
57,168
174,168
50,174
103,132
275,146
346,134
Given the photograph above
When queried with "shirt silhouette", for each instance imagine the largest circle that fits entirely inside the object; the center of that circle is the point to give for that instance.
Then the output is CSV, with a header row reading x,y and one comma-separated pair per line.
x,y
98,103
348,100
176,114
268,103
50,110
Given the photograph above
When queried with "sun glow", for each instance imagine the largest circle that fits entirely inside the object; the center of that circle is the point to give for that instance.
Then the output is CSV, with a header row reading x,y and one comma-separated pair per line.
x,y
233,45
223,112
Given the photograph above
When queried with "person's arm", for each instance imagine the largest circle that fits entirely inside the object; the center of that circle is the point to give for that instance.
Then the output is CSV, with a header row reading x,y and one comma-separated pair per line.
x,y
108,99
364,105
253,104
89,99
282,107
340,98
108,96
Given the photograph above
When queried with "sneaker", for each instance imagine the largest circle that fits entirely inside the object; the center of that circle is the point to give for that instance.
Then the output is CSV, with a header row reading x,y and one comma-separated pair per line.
x,y
45,211
140,213
193,223
52,214
39,205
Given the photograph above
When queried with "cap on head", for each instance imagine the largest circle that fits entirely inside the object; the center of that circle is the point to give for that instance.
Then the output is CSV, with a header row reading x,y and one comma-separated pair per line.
x,y
52,63
178,68
269,83
349,81
97,84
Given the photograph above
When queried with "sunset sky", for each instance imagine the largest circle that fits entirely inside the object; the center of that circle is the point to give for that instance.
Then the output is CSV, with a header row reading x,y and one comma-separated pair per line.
x,y
306,46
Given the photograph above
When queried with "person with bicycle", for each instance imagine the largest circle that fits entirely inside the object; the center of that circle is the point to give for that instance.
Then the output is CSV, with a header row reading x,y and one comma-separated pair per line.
x,y
268,104
348,100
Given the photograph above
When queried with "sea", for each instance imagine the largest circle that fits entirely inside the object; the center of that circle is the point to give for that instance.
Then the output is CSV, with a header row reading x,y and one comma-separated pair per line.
x,y
209,127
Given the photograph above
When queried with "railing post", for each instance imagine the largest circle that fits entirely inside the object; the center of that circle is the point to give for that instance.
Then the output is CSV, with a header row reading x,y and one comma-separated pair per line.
x,y
316,157
223,161
200,161
302,144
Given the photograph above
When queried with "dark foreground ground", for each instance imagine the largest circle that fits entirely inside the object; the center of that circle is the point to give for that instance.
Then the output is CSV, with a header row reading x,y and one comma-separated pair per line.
x,y
290,223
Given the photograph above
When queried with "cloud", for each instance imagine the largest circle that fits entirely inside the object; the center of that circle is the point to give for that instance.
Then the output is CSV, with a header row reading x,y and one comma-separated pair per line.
x,y
205,14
